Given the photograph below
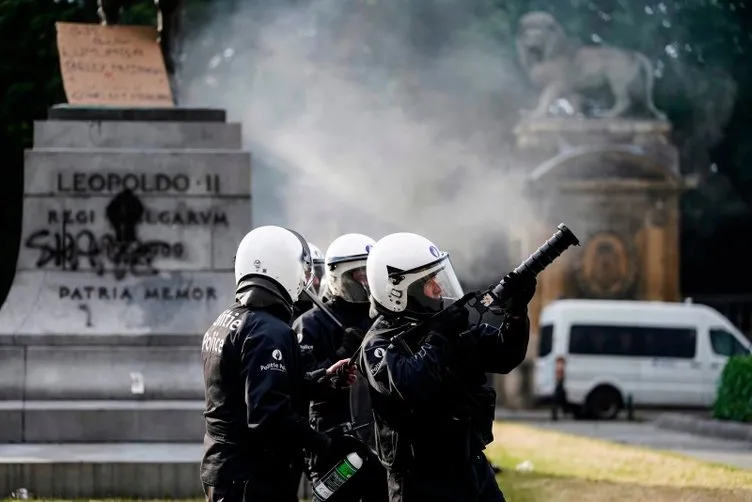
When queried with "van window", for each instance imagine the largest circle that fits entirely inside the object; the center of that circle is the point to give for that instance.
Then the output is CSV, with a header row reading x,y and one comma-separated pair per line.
x,y
546,340
636,341
726,344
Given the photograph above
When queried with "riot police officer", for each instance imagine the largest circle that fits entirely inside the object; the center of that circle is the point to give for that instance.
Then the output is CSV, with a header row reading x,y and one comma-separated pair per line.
x,y
301,306
304,304
253,378
346,297
432,406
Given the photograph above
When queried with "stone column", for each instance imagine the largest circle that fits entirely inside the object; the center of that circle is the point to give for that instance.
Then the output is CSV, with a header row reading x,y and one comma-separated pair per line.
x,y
615,183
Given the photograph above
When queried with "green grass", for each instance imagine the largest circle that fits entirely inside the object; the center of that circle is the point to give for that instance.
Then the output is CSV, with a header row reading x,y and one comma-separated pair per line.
x,y
571,468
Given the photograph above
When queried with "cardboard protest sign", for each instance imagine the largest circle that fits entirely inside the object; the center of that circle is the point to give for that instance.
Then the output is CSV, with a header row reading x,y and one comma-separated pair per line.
x,y
112,65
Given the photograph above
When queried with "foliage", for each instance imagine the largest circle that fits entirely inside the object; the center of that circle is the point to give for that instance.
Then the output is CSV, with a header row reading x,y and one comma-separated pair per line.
x,y
734,399
29,72
29,84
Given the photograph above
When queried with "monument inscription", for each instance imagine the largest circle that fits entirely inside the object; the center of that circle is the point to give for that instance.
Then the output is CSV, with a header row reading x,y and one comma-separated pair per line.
x,y
127,241
70,172
157,183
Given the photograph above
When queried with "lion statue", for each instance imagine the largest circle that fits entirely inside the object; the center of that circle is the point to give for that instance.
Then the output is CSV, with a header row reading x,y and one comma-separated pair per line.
x,y
564,69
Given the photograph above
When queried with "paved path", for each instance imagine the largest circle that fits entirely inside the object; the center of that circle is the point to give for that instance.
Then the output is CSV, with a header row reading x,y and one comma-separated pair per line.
x,y
125,453
736,453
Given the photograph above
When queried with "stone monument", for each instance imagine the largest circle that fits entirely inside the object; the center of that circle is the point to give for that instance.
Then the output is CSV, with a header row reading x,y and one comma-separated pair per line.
x,y
131,218
606,167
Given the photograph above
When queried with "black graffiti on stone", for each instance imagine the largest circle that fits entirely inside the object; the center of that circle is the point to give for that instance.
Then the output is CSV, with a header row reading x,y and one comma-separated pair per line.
x,y
86,310
124,212
127,294
121,250
76,251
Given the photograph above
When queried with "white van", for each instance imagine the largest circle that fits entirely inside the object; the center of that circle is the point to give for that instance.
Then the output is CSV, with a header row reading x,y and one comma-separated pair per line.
x,y
656,353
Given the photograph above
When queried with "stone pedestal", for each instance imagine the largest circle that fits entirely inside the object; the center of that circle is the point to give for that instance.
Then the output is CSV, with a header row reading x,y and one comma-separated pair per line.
x,y
616,184
130,223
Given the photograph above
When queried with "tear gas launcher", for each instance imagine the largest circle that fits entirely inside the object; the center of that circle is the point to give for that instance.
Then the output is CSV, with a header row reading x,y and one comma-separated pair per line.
x,y
496,297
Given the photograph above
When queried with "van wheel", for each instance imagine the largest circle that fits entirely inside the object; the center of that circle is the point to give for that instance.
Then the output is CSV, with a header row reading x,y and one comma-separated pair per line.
x,y
578,412
603,403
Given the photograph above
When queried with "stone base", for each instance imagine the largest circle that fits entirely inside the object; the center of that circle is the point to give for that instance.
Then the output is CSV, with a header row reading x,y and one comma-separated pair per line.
x,y
103,421
616,183
131,218
97,113
108,388
135,134
118,368
534,134
126,471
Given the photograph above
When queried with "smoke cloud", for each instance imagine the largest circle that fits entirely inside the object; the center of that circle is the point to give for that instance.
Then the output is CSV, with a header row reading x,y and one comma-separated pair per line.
x,y
366,117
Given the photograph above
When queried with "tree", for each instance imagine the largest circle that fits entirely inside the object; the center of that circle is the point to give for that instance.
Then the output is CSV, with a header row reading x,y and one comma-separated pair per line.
x,y
29,84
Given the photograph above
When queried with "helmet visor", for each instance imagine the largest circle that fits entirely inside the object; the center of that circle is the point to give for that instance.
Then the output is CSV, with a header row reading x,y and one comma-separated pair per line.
x,y
435,287
307,272
318,274
355,285
306,261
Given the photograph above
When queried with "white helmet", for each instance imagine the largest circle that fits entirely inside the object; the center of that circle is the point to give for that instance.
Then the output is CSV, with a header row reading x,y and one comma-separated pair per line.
x,y
407,274
278,254
318,266
346,267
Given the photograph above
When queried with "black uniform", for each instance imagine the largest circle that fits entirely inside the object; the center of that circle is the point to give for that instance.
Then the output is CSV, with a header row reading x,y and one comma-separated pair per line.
x,y
322,343
299,466
434,410
255,385
301,307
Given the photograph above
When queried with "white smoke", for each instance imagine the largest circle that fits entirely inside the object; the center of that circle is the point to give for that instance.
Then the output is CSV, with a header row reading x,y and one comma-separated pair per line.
x,y
353,129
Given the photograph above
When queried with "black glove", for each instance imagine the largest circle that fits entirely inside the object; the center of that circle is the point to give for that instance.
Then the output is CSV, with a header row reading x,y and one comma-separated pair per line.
x,y
519,290
336,431
468,339
330,449
451,321
340,378
351,340
317,442
436,339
